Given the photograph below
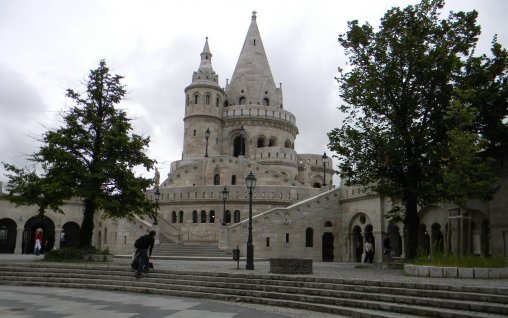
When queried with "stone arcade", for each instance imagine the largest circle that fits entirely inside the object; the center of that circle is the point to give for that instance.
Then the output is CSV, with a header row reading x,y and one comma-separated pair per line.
x,y
241,128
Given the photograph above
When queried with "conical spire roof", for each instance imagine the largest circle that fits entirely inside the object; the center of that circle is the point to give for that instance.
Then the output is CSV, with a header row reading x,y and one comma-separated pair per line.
x,y
205,72
252,81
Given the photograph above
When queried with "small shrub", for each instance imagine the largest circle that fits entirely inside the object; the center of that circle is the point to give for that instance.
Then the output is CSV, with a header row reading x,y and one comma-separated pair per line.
x,y
462,261
65,255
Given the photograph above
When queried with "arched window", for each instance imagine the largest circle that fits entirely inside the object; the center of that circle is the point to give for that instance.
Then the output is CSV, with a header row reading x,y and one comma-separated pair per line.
x,y
196,99
273,142
242,100
216,179
287,144
236,216
203,216
226,103
227,218
211,216
194,216
309,237
181,217
187,101
266,101
173,217
207,99
233,179
328,224
217,101
261,142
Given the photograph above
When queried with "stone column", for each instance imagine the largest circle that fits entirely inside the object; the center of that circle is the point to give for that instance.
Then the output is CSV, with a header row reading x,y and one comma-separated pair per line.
x,y
19,241
58,233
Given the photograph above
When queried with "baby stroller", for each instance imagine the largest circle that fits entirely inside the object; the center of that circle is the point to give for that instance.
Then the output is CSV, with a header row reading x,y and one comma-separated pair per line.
x,y
136,260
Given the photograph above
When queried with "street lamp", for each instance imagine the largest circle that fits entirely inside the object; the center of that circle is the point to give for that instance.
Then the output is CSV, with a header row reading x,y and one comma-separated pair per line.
x,y
225,194
325,161
242,141
157,195
250,182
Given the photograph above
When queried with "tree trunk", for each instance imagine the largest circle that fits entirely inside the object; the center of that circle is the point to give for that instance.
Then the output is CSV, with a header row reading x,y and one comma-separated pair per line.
x,y
411,222
85,234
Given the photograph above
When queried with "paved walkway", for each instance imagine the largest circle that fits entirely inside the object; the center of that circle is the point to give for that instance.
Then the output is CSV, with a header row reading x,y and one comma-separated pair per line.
x,y
28,302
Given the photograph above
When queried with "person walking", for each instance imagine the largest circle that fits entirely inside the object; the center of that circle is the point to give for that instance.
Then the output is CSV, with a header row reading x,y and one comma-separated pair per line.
x,y
387,248
369,252
38,242
144,245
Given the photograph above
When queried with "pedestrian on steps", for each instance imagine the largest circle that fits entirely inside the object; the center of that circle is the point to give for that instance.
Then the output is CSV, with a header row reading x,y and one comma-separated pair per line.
x,y
144,245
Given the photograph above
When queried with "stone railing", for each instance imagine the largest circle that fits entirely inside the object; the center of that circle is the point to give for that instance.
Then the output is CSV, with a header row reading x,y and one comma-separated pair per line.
x,y
291,265
456,272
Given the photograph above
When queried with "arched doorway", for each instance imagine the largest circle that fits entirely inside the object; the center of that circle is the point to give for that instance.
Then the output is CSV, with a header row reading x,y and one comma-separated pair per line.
x,y
7,236
239,146
357,244
48,234
328,247
70,235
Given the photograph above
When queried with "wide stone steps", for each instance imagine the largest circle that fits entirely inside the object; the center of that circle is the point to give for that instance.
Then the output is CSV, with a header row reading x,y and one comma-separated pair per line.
x,y
182,250
337,296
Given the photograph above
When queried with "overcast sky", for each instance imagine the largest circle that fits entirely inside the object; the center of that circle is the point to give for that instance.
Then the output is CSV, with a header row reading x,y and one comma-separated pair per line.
x,y
49,46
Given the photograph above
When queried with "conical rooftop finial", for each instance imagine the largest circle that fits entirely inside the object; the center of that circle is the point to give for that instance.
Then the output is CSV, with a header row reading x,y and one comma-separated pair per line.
x,y
205,71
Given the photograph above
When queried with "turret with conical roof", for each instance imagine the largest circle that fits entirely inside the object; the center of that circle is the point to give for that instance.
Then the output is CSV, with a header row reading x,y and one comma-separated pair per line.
x,y
204,99
252,82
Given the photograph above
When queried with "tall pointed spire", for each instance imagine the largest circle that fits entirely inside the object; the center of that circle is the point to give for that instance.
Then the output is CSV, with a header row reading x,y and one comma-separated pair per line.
x,y
205,72
252,81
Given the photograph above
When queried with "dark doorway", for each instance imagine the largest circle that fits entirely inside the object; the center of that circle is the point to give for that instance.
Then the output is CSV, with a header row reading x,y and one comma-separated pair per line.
x,y
357,244
48,234
239,145
328,247
7,236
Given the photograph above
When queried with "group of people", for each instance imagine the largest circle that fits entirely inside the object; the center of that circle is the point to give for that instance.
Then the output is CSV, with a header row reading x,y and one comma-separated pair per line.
x,y
369,250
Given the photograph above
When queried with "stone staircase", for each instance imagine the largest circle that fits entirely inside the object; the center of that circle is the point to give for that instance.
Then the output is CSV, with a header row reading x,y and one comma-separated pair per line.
x,y
204,251
347,297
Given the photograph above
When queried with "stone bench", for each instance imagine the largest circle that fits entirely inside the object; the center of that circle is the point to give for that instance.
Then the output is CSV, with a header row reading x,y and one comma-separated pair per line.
x,y
291,265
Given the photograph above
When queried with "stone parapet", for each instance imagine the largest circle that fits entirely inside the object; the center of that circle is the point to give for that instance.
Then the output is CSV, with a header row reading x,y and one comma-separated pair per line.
x,y
455,272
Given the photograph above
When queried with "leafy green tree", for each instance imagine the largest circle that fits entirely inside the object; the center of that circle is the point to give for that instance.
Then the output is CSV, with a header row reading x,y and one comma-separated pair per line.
x,y
91,157
398,91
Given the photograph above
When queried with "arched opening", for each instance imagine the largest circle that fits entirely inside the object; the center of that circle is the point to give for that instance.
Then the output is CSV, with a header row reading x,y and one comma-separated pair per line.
x,y
357,244
287,144
216,179
70,235
261,142
437,238
233,179
211,216
309,237
328,224
236,216
180,217
272,142
239,146
7,235
242,101
227,217
173,217
203,216
328,247
196,98
48,234
395,239
207,99
368,236
194,216
266,101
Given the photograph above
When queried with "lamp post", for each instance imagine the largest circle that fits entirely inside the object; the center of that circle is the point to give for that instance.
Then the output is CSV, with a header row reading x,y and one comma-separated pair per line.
x,y
242,141
250,182
325,161
207,135
225,194
157,195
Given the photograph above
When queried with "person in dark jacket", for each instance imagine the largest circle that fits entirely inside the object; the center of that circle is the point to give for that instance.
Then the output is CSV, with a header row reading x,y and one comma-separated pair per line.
x,y
145,251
